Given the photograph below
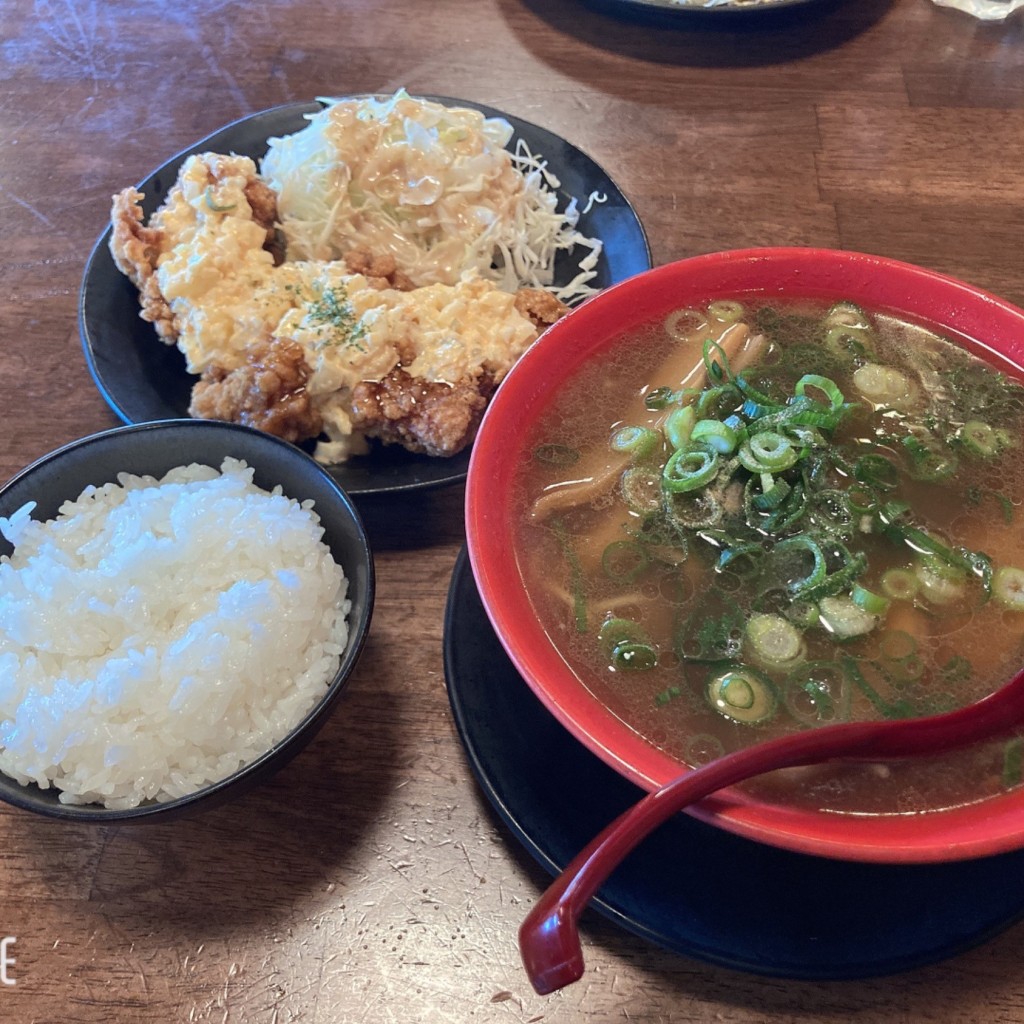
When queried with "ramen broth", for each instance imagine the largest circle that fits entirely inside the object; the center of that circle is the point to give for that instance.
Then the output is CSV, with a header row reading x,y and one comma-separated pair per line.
x,y
830,533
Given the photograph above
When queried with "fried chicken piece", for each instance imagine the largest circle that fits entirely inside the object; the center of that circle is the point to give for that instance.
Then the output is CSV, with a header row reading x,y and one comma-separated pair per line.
x,y
421,415
135,248
263,201
540,307
267,392
380,271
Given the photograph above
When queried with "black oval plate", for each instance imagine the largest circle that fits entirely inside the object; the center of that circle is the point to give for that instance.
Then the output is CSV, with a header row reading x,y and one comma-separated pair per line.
x,y
692,888
142,379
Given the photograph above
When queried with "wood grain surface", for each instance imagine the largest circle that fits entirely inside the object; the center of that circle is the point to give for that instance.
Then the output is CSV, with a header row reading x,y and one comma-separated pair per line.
x,y
370,881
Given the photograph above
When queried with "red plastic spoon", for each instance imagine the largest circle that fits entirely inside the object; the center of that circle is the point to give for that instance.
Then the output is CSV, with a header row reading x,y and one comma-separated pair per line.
x,y
549,937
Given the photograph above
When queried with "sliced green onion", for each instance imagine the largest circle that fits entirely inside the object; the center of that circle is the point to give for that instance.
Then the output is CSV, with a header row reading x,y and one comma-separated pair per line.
x,y
667,695
798,588
742,695
754,410
556,454
906,670
872,603
848,314
774,642
702,748
714,401
662,539
681,323
715,433
862,500
715,637
616,630
823,384
634,656
1005,506
771,497
845,619
1005,438
767,451
883,385
690,469
848,342
716,362
692,511
900,584
751,394
876,471
979,438
897,645
975,562
793,508
678,426
802,613
1008,587
1013,762
641,489
832,513
890,514
808,437
938,584
624,560
726,311
659,398
745,560
957,670
896,709
817,693
637,441
216,207
841,579
930,461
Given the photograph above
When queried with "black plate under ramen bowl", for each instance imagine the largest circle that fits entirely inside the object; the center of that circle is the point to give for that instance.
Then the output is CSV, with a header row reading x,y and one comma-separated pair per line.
x,y
154,449
142,379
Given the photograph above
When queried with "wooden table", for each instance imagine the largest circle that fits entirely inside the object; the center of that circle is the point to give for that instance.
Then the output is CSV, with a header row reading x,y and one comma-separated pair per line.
x,y
370,881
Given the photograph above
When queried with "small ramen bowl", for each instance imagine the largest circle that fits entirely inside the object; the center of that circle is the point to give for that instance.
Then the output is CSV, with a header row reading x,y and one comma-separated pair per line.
x,y
983,324
153,449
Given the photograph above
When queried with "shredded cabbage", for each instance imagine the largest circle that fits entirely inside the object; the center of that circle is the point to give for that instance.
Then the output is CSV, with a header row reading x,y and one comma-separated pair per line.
x,y
433,186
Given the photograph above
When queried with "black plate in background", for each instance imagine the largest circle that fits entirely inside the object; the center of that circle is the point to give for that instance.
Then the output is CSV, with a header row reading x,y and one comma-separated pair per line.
x,y
668,9
142,379
692,888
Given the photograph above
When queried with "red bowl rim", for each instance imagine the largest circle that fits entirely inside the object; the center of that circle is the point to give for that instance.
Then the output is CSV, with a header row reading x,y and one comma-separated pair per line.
x,y
986,323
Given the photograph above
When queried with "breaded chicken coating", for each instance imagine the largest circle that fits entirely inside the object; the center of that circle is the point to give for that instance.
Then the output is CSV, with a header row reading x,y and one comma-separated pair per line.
x,y
540,307
380,271
268,392
423,416
135,249
263,201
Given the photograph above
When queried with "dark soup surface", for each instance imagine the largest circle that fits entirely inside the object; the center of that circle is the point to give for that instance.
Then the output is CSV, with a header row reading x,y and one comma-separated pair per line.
x,y
747,520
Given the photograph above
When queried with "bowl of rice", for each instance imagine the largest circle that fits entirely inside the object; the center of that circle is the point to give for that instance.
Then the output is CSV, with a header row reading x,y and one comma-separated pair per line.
x,y
181,605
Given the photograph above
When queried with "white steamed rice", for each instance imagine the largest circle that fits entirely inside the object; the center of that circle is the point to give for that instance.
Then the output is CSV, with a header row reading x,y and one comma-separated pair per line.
x,y
158,635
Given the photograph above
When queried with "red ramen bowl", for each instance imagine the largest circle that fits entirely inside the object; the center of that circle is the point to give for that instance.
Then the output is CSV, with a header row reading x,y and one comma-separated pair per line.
x,y
981,824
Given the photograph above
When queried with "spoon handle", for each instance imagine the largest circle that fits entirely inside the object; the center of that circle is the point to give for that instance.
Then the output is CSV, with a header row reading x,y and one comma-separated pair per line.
x,y
549,936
